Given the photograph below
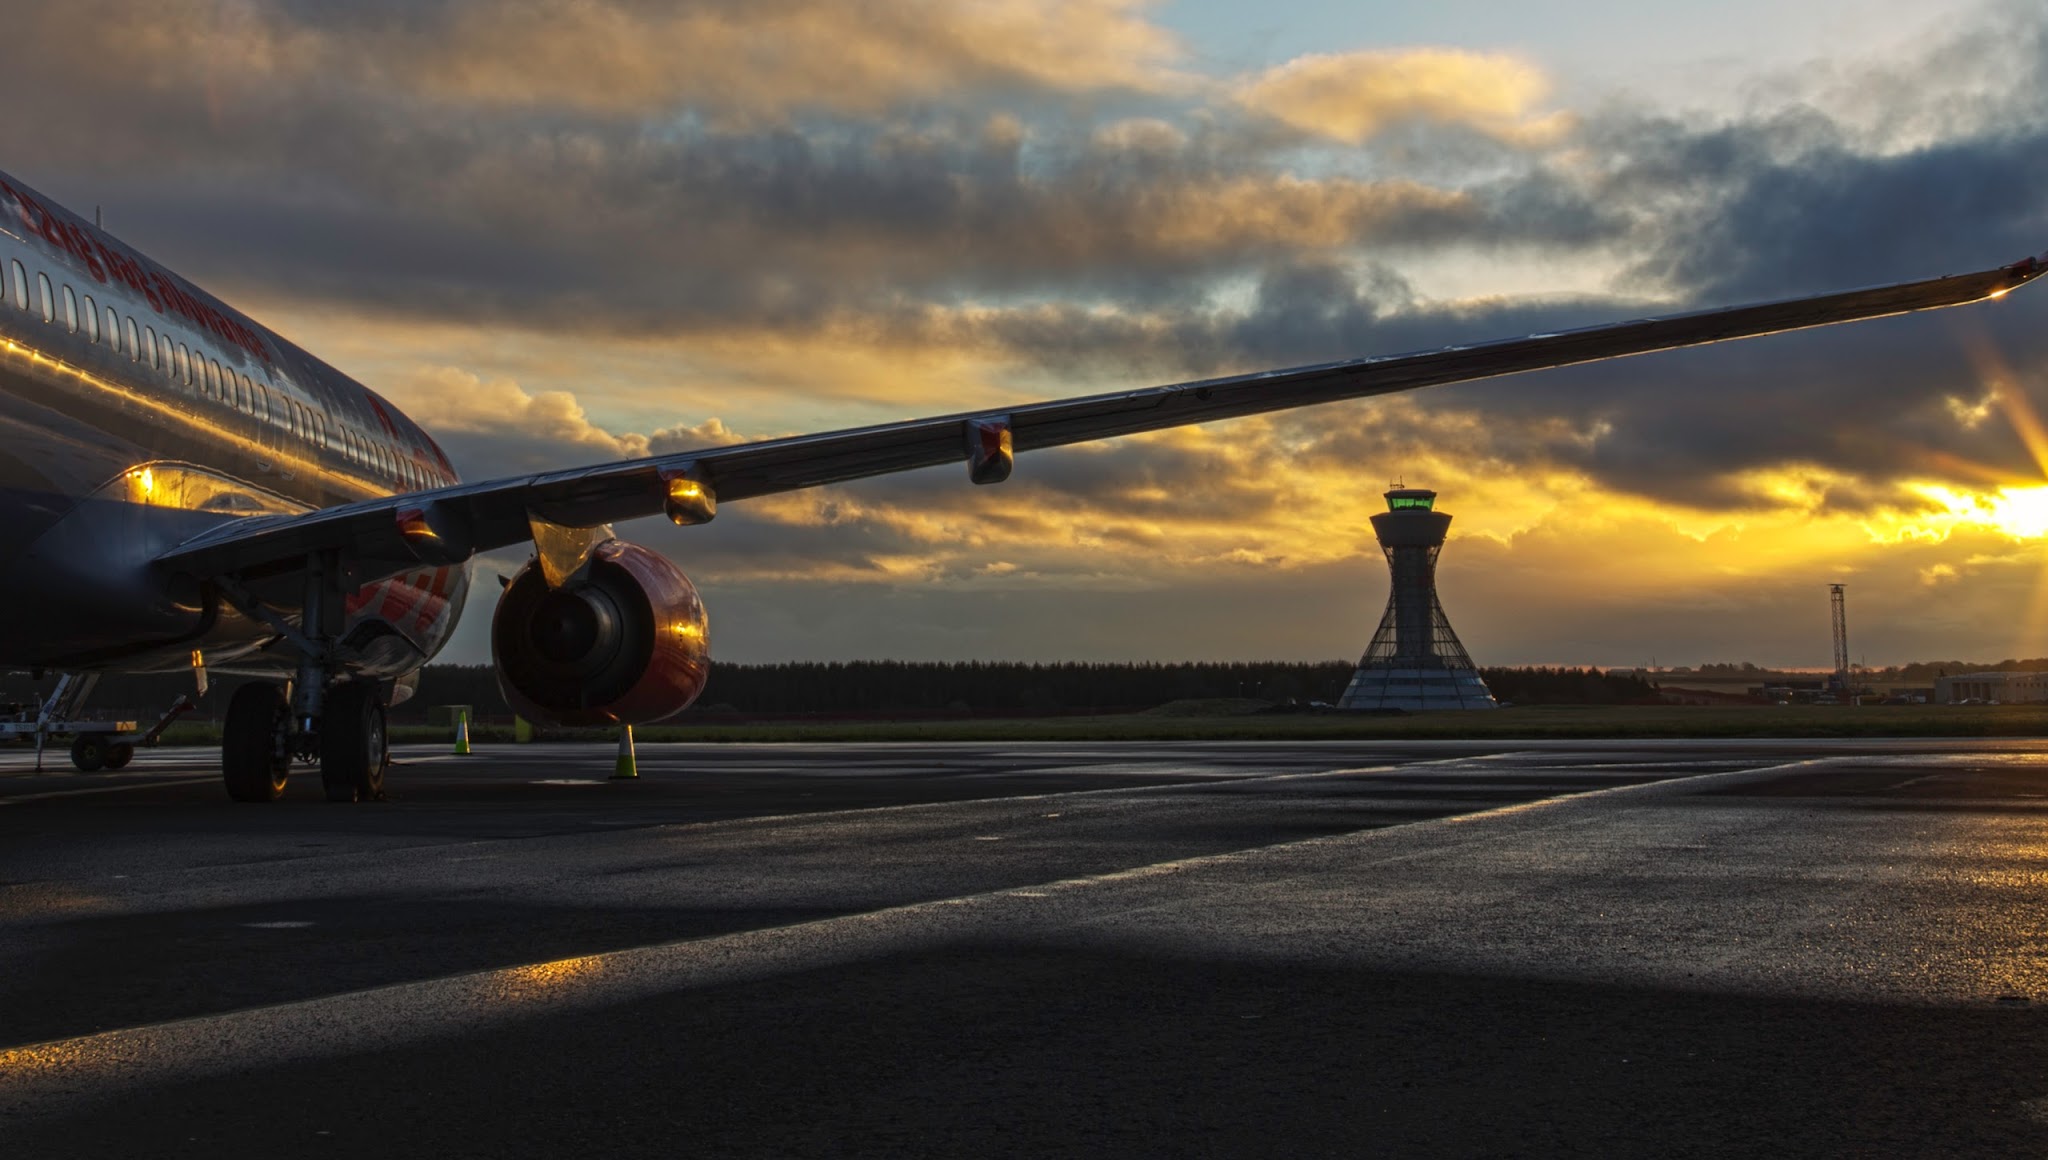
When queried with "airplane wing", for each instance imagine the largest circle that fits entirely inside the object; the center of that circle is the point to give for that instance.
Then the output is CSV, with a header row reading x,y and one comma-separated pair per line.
x,y
393,533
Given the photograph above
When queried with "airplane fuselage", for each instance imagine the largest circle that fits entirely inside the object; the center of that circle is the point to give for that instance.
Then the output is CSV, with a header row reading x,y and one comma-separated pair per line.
x,y
137,411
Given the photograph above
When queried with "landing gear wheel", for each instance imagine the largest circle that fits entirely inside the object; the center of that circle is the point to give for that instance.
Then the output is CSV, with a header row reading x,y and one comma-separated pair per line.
x,y
253,761
352,745
120,753
89,753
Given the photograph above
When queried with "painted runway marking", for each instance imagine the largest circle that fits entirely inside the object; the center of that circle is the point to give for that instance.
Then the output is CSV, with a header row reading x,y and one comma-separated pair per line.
x,y
153,783
40,1079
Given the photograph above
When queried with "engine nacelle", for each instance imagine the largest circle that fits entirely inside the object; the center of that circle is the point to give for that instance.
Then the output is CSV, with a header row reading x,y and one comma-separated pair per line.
x,y
623,642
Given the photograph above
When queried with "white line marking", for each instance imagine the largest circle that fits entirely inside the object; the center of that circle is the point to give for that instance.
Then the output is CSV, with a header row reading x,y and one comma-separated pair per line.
x,y
60,793
45,1079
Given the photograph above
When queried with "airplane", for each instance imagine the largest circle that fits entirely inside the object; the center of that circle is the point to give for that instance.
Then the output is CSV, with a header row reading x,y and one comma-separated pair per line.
x,y
183,487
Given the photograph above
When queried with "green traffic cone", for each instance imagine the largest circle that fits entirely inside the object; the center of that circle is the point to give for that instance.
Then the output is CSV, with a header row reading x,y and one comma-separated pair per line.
x,y
462,735
626,766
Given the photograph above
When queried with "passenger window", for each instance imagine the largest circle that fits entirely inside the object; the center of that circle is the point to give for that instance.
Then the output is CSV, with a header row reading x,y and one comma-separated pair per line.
x,y
70,309
134,342
165,348
261,395
148,348
19,281
181,362
46,301
89,313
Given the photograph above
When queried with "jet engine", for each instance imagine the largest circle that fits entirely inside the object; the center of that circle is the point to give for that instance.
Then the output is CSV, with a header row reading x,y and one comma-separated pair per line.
x,y
622,641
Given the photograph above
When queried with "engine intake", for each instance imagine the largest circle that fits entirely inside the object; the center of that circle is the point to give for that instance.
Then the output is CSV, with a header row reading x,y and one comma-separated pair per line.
x,y
625,641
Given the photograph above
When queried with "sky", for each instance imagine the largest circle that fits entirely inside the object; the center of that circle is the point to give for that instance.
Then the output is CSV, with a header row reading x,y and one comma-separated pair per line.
x,y
558,233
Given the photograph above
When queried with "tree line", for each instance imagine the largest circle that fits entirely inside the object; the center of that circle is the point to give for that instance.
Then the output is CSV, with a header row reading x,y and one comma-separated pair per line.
x,y
880,688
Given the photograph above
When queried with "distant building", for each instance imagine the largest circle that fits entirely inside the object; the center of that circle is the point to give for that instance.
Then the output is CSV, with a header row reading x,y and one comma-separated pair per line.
x,y
1415,661
2004,688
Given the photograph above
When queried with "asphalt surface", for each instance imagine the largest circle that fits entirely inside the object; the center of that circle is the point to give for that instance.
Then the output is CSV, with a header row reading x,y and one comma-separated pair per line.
x,y
1673,948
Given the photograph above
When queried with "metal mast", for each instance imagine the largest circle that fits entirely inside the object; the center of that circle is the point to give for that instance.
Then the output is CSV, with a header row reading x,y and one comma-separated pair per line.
x,y
1841,617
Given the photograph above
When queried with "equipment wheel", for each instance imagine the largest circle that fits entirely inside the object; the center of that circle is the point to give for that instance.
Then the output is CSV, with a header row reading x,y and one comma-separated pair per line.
x,y
253,760
89,752
120,753
352,744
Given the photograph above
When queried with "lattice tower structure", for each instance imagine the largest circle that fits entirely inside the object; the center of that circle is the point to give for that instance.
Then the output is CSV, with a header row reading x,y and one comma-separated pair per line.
x,y
1415,661
1838,605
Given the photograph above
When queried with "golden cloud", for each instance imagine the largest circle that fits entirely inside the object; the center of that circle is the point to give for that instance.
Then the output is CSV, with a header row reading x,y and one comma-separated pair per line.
x,y
1352,96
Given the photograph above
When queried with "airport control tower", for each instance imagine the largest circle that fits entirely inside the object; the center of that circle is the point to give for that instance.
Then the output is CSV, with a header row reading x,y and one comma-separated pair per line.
x,y
1415,661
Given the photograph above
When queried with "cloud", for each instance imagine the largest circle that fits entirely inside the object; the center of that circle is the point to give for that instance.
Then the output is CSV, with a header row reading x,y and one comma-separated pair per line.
x,y
612,58
567,233
1350,97
494,428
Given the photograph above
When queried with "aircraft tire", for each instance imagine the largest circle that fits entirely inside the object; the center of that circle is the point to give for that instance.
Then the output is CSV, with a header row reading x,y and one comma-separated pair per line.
x,y
353,749
249,763
120,753
89,753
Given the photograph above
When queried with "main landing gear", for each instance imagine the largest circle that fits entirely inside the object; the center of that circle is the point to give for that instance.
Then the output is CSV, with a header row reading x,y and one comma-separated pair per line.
x,y
328,716
258,743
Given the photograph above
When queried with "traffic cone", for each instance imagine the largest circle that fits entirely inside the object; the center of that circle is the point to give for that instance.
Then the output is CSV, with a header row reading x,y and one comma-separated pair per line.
x,y
462,735
626,766
522,730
